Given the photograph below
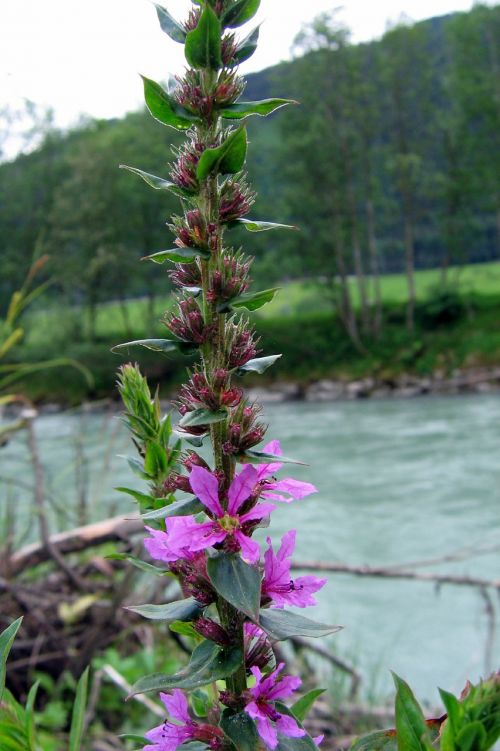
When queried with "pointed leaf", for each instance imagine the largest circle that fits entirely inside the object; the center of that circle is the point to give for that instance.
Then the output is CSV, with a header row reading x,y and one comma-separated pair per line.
x,y
155,460
251,225
179,508
301,707
158,183
240,12
170,26
78,716
472,737
282,624
164,108
247,47
250,301
203,44
178,255
184,629
262,457
411,729
198,417
237,582
29,726
144,500
241,730
157,345
6,641
208,663
226,159
183,610
382,740
245,109
148,568
257,365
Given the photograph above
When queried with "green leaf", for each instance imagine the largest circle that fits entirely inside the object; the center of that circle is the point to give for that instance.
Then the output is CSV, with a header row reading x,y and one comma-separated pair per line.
x,y
203,44
301,707
179,508
144,500
239,13
247,46
241,730
282,624
136,466
258,365
201,416
237,582
453,708
135,738
262,457
156,345
208,663
178,255
250,301
6,641
252,225
411,729
148,568
184,629
78,716
30,717
472,737
164,108
155,460
382,740
183,610
245,109
158,183
226,159
170,26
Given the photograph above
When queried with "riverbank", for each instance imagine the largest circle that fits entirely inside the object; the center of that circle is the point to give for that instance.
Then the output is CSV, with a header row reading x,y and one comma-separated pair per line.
x,y
451,350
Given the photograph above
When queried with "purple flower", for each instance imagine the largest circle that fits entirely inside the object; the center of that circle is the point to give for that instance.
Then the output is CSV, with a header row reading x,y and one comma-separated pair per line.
x,y
277,583
170,736
293,489
225,525
163,546
262,709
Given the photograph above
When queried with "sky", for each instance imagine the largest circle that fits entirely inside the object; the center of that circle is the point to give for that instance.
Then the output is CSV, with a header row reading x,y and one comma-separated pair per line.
x,y
84,56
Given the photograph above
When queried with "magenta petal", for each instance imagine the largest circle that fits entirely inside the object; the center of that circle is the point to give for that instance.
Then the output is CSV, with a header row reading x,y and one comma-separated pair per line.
x,y
241,488
177,705
284,688
265,470
288,726
318,739
287,545
158,546
267,731
203,536
259,511
296,489
205,486
250,550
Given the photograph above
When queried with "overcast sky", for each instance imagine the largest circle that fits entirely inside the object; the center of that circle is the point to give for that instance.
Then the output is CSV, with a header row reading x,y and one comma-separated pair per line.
x,y
83,56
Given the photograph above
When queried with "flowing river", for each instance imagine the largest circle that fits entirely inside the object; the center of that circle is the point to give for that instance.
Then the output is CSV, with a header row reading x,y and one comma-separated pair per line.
x,y
399,481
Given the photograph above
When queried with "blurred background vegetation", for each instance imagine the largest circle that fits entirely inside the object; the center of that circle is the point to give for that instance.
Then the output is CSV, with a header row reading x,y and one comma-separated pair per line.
x,y
389,167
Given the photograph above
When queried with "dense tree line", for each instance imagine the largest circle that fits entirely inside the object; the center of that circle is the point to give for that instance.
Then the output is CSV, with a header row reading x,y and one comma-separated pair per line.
x,y
407,134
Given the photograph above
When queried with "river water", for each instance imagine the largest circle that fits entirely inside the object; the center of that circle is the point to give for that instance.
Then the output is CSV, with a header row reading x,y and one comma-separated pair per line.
x,y
399,481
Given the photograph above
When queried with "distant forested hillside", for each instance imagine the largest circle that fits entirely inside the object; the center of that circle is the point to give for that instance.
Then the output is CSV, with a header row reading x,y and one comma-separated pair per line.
x,y
390,163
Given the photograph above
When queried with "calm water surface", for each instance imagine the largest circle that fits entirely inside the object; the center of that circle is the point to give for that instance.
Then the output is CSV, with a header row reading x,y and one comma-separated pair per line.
x,y
399,481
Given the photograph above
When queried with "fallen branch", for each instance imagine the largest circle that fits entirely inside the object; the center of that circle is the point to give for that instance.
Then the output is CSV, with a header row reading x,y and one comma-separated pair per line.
x,y
74,541
393,572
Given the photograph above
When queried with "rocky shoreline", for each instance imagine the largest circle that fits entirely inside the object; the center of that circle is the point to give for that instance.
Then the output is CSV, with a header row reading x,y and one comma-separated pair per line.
x,y
470,381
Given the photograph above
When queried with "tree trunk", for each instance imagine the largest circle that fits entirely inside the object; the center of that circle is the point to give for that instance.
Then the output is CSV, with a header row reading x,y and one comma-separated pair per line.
x,y
374,267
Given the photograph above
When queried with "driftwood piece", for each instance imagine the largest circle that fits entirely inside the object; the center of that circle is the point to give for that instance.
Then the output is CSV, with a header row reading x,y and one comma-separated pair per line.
x,y
74,541
396,572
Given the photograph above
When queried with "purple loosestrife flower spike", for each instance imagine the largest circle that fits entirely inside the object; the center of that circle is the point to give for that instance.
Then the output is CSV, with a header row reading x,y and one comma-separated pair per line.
x,y
169,736
261,708
278,584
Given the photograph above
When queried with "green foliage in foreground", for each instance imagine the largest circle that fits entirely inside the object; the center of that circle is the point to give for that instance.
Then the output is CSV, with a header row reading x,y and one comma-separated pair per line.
x,y
472,722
